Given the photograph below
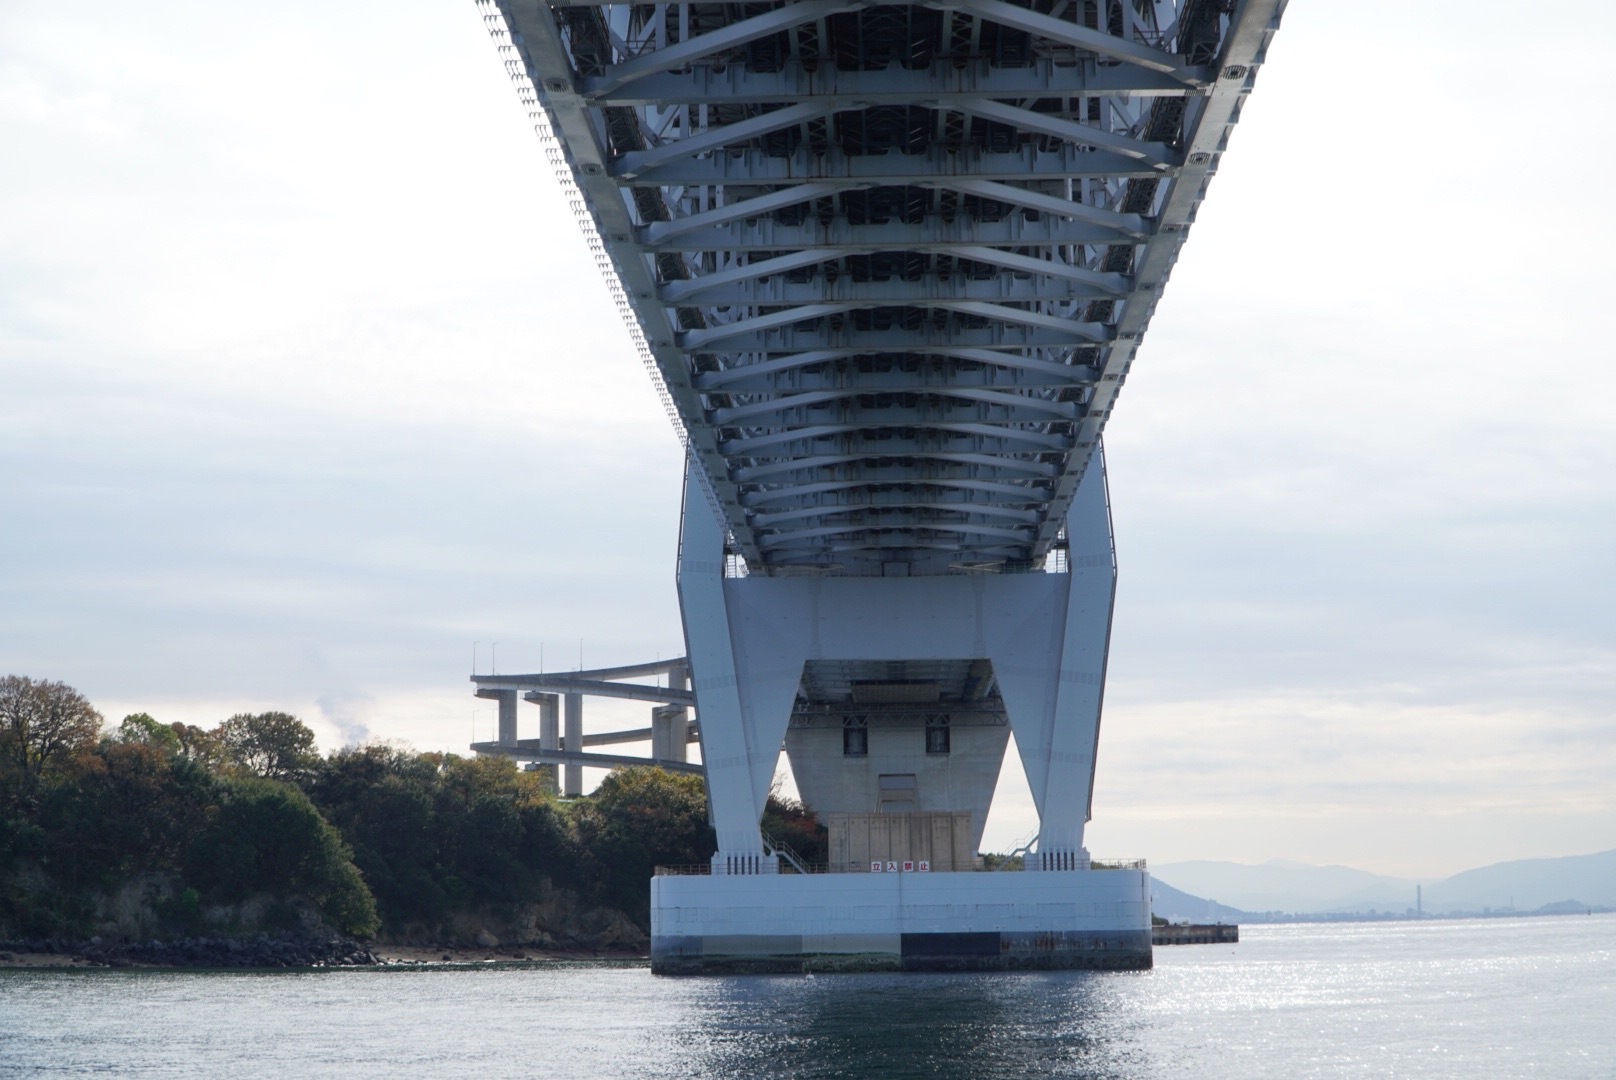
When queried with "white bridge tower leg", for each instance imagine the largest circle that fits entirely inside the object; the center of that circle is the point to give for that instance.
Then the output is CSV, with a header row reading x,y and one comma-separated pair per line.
x,y
1046,635
743,708
1052,676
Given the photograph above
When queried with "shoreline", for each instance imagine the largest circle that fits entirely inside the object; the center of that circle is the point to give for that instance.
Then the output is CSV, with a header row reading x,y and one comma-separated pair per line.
x,y
78,957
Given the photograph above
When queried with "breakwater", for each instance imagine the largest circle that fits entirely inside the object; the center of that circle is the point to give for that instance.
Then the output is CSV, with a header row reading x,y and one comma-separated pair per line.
x,y
1195,934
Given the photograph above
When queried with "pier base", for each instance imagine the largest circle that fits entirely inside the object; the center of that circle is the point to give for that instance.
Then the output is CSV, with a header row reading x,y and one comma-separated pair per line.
x,y
724,924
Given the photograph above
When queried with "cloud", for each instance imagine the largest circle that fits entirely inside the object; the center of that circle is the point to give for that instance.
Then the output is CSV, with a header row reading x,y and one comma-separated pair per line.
x,y
307,382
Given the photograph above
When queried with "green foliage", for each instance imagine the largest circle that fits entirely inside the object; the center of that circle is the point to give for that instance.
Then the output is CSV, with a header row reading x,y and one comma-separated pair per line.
x,y
372,836
126,809
789,822
435,832
268,838
273,745
143,729
639,818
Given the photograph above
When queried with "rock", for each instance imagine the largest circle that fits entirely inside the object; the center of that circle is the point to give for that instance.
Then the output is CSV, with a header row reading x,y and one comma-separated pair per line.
x,y
486,940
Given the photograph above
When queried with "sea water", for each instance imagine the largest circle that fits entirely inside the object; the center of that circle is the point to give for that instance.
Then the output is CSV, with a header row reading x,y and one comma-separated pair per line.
x,y
1478,998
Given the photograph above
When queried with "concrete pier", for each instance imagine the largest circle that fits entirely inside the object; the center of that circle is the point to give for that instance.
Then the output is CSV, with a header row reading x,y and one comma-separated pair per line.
x,y
758,923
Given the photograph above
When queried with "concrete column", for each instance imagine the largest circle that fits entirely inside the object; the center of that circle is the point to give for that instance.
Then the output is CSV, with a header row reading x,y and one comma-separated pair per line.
x,y
679,749
572,782
668,738
549,719
507,714
549,731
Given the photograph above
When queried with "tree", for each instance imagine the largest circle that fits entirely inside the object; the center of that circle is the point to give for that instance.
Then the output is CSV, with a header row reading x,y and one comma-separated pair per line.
x,y
141,728
269,838
42,724
273,745
641,817
201,747
125,808
788,821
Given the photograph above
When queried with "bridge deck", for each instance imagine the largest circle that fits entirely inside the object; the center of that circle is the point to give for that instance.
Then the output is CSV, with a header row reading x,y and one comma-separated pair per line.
x,y
890,263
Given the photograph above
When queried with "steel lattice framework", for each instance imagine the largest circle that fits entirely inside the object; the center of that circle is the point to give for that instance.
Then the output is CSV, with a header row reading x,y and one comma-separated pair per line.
x,y
889,263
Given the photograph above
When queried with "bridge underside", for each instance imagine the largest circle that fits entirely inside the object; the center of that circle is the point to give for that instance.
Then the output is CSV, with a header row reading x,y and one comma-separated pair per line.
x,y
890,265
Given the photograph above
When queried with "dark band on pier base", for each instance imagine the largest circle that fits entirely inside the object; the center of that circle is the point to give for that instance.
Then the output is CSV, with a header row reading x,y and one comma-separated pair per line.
x,y
974,951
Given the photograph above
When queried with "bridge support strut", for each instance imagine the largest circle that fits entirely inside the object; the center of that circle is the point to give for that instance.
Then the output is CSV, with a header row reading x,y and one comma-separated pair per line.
x,y
1045,634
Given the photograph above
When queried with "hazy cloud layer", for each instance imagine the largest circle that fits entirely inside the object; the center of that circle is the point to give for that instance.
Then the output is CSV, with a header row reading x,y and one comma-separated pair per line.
x,y
307,383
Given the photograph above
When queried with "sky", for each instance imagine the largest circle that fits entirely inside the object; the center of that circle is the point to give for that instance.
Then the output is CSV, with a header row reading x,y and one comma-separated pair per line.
x,y
310,394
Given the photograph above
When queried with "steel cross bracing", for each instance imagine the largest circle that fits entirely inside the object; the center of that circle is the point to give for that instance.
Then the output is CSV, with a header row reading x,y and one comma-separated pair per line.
x,y
889,263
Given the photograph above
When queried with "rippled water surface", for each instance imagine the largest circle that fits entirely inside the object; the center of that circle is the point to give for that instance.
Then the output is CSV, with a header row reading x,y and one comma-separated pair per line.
x,y
1496,998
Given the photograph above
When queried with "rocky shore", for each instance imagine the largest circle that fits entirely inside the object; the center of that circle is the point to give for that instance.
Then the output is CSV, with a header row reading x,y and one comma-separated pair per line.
x,y
285,951
258,951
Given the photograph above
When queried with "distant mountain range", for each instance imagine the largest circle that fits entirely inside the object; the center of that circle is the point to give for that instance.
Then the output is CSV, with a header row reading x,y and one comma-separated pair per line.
x,y
1205,891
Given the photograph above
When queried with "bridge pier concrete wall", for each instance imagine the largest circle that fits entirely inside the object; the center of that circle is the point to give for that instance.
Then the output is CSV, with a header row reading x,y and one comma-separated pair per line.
x,y
901,922
1046,635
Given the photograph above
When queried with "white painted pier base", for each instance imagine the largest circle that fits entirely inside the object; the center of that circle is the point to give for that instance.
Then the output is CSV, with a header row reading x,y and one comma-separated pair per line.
x,y
982,921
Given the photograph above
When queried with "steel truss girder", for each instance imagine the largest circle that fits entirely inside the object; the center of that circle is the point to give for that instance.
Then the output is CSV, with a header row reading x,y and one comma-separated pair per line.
x,y
935,235
1048,264
1131,226
929,338
960,504
716,137
677,292
748,351
635,164
831,558
1005,409
928,291
794,380
761,471
917,525
1079,37
749,166
893,523
941,84
658,232
1070,131
1027,492
1059,373
808,441
728,37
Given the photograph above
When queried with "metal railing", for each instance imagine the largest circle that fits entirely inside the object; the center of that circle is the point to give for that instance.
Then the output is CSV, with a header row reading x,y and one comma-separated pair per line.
x,y
771,846
800,867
